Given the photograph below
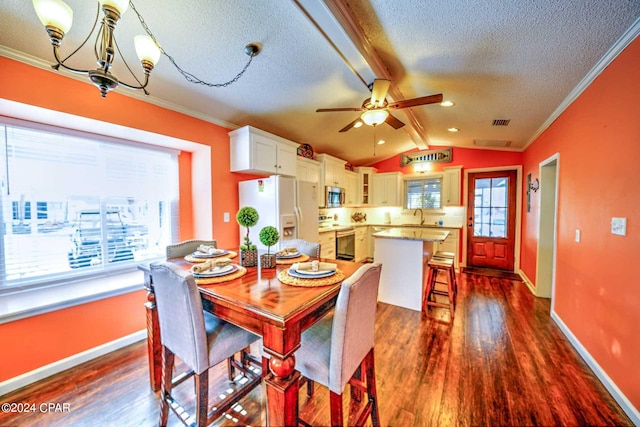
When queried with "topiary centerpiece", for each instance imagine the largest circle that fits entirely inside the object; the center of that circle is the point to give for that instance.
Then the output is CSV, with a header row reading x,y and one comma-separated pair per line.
x,y
269,236
248,217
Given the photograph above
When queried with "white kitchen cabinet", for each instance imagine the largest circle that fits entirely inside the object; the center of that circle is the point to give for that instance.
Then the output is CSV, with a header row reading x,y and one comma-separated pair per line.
x,y
307,170
351,188
331,171
257,152
451,180
387,189
327,244
365,185
362,244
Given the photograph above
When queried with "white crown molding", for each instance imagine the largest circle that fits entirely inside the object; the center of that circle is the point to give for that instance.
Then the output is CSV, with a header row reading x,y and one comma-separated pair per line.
x,y
44,65
615,50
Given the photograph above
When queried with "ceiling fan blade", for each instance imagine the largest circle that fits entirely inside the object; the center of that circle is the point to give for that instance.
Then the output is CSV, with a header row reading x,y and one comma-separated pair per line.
x,y
394,122
350,125
328,110
379,91
429,99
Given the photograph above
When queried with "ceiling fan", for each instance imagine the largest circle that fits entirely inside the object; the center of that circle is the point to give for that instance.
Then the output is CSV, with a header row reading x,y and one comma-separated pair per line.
x,y
375,110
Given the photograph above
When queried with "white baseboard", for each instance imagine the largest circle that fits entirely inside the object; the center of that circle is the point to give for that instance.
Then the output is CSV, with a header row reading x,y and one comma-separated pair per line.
x,y
69,362
527,282
626,405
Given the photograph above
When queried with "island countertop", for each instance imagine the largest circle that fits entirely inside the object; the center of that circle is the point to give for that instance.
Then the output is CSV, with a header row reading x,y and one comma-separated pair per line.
x,y
426,235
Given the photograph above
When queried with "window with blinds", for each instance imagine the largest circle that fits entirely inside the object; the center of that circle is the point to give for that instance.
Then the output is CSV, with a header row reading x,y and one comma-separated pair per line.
x,y
423,193
72,204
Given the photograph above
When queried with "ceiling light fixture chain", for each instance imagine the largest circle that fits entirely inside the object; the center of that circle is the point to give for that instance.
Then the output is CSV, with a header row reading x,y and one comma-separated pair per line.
x,y
252,49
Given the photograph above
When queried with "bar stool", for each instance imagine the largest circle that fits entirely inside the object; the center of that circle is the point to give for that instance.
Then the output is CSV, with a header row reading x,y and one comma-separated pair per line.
x,y
436,265
452,257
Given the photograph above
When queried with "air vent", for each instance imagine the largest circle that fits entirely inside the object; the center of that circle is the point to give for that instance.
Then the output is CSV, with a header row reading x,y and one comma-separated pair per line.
x,y
501,122
491,143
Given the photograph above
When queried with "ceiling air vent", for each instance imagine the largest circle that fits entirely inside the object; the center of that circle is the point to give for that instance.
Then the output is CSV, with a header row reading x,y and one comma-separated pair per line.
x,y
491,143
501,122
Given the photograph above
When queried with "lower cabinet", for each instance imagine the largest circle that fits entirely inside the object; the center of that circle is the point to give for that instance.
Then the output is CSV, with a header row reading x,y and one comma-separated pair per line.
x,y
450,244
328,244
362,244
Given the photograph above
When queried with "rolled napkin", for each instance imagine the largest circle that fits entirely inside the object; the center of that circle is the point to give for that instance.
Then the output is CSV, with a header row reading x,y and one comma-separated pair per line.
x,y
319,266
287,251
210,264
208,249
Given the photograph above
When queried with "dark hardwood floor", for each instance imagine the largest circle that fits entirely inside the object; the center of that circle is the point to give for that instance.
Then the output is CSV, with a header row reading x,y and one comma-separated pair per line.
x,y
502,362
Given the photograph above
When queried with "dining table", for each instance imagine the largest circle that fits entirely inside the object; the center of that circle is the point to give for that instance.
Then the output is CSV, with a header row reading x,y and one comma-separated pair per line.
x,y
260,301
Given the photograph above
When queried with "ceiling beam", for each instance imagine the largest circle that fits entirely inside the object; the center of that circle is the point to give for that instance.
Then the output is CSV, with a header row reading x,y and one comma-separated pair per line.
x,y
344,23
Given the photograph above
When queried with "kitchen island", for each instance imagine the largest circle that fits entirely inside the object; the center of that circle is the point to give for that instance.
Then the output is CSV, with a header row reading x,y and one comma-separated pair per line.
x,y
403,253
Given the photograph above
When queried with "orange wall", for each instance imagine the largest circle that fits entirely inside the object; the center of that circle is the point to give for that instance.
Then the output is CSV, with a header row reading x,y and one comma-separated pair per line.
x,y
596,293
116,317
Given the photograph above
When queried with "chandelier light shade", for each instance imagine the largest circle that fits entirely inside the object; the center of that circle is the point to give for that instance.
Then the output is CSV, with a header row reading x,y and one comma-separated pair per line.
x,y
57,18
374,117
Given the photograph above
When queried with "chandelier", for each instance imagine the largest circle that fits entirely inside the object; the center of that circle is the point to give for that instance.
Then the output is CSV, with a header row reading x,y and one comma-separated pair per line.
x,y
57,17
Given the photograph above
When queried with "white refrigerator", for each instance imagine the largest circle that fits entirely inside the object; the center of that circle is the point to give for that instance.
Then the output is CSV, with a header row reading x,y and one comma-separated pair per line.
x,y
289,205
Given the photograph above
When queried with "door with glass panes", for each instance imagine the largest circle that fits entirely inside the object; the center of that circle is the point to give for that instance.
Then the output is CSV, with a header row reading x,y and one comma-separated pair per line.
x,y
491,220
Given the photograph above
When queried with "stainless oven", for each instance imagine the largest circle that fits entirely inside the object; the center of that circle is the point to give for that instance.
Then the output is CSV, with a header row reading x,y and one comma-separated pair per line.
x,y
333,197
346,244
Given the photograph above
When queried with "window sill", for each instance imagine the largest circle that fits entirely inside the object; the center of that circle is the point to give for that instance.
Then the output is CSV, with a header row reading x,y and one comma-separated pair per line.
x,y
37,301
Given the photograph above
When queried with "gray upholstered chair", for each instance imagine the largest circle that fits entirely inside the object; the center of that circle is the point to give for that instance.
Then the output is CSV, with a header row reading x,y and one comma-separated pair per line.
x,y
341,345
304,247
200,339
187,247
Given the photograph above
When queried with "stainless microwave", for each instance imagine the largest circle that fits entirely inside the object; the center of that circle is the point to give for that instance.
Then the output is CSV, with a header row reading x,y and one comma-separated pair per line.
x,y
333,197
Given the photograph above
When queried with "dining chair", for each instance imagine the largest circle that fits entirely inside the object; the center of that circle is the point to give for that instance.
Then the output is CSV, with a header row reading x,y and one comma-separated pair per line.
x,y
338,349
200,339
304,247
187,247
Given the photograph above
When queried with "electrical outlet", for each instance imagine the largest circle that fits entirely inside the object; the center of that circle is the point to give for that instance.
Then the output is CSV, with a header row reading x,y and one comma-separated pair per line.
x,y
226,217
619,226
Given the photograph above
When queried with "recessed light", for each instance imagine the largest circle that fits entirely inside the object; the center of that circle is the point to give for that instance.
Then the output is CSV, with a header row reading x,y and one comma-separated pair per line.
x,y
447,104
382,141
453,130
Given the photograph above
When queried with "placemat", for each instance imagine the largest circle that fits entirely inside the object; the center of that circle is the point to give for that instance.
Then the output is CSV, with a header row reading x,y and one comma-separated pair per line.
x,y
220,279
287,261
194,260
285,277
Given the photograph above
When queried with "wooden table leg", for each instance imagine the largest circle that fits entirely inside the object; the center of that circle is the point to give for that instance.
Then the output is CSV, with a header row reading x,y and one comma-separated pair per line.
x,y
154,346
282,392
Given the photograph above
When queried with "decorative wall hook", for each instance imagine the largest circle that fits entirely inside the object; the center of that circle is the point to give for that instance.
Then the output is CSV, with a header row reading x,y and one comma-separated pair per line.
x,y
535,185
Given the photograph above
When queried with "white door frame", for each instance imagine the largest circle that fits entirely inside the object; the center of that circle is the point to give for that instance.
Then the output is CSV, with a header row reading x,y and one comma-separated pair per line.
x,y
465,228
548,213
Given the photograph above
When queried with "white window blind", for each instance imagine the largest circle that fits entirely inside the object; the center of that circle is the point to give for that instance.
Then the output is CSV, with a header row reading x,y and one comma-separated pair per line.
x,y
423,193
72,205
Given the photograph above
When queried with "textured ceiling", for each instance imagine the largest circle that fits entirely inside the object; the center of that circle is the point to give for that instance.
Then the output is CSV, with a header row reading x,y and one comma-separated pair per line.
x,y
495,59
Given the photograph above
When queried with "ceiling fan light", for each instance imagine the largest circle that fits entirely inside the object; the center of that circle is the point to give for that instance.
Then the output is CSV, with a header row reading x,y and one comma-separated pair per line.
x,y
54,13
146,49
374,117
358,124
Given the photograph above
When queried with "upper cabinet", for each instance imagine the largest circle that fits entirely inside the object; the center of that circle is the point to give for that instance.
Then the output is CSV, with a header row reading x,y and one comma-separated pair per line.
x,y
387,189
331,171
451,181
307,170
258,152
351,188
365,185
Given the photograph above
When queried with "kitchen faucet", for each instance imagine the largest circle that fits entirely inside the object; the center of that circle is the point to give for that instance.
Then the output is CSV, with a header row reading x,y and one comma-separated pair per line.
x,y
421,215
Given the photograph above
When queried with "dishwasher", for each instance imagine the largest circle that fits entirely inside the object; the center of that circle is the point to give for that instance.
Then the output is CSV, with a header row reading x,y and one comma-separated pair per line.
x,y
346,244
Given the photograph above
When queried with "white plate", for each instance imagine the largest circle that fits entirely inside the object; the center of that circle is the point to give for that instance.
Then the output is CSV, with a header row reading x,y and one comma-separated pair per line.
x,y
295,255
307,274
198,254
217,271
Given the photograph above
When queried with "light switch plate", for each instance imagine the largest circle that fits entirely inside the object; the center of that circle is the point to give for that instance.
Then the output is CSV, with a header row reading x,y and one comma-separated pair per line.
x,y
226,217
577,236
619,226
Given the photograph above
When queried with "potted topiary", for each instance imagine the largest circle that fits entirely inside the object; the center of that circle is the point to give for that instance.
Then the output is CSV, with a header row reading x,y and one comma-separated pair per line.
x,y
248,217
269,236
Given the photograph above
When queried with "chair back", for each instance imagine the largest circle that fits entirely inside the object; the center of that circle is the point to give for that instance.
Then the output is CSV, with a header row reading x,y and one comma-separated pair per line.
x,y
304,247
353,326
187,247
180,315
